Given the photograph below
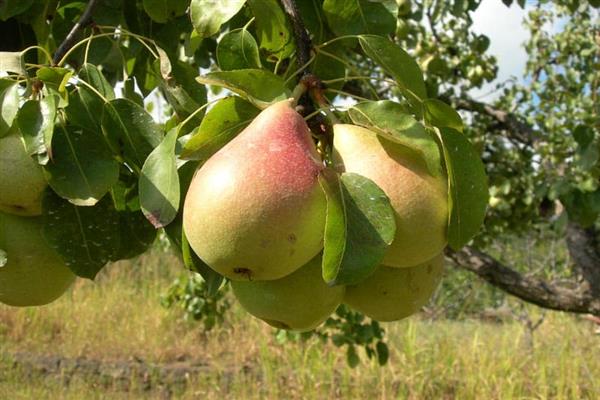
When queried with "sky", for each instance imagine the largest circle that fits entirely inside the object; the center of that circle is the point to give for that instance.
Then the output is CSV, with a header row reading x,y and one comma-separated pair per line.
x,y
503,25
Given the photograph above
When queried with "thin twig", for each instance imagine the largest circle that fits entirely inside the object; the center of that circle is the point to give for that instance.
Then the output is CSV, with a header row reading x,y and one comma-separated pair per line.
x,y
84,21
303,43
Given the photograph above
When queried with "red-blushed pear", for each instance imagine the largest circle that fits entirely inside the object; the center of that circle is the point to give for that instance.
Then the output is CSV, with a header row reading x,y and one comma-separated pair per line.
x,y
34,274
255,210
300,301
391,294
419,200
21,179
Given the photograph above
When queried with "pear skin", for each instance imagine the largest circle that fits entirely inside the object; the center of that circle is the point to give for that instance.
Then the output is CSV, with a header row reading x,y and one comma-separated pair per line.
x,y
419,200
391,294
255,210
34,274
300,301
21,179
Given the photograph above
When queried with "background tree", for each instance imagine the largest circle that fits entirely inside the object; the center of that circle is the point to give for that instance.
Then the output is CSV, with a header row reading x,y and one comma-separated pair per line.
x,y
92,70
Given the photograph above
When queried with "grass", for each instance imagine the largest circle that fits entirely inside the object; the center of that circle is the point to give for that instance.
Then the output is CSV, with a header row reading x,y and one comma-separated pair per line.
x,y
119,318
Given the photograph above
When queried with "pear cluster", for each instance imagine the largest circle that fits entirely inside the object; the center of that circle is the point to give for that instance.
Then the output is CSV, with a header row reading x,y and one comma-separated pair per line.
x,y
255,213
33,274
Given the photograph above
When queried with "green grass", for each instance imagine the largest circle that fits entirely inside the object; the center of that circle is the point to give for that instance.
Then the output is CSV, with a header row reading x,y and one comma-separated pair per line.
x,y
120,318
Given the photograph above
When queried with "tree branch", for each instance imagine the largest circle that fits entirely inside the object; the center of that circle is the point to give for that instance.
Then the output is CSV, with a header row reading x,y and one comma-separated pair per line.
x,y
520,130
545,294
71,39
303,43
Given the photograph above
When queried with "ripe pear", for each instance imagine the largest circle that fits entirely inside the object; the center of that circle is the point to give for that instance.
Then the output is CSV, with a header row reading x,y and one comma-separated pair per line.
x,y
300,301
34,274
419,200
391,294
255,210
21,179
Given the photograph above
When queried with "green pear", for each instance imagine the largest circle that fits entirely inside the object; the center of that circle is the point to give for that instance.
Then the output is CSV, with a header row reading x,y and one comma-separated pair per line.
x,y
21,179
300,301
255,210
34,274
390,294
419,200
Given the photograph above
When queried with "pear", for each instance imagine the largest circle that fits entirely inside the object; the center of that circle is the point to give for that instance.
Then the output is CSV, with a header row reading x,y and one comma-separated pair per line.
x,y
419,200
255,210
300,301
21,179
34,274
390,294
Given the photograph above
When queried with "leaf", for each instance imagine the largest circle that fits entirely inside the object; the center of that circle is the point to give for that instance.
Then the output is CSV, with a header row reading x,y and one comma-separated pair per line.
x,y
183,92
85,237
162,11
10,8
359,227
441,115
208,15
467,185
222,122
583,135
128,124
82,169
390,120
258,86
9,104
36,123
396,62
90,99
159,183
383,353
272,28
351,357
237,49
355,17
92,75
137,235
12,61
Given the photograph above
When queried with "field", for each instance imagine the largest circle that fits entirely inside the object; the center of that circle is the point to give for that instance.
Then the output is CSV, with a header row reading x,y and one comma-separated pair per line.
x,y
113,339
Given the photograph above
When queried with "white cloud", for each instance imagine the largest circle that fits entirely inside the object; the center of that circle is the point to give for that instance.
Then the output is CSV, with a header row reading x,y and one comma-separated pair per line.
x,y
503,25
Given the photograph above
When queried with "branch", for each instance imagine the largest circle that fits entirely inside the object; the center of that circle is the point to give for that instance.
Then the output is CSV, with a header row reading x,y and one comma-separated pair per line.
x,y
71,39
303,43
545,294
522,131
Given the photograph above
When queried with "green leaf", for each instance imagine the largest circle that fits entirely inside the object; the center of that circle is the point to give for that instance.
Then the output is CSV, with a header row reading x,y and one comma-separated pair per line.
x,y
208,15
159,183
92,75
467,185
351,357
82,168
583,135
258,86
10,8
390,120
183,92
137,235
272,28
355,17
237,49
163,10
383,353
85,237
9,104
441,115
582,207
36,123
93,101
222,122
396,62
12,62
128,124
359,227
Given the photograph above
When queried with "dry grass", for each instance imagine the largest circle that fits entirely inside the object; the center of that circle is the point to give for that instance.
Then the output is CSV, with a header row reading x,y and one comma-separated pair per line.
x,y
119,318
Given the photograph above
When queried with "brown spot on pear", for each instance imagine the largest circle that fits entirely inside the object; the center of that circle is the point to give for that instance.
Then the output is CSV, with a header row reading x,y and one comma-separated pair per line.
x,y
391,294
419,200
34,274
21,179
255,190
300,301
